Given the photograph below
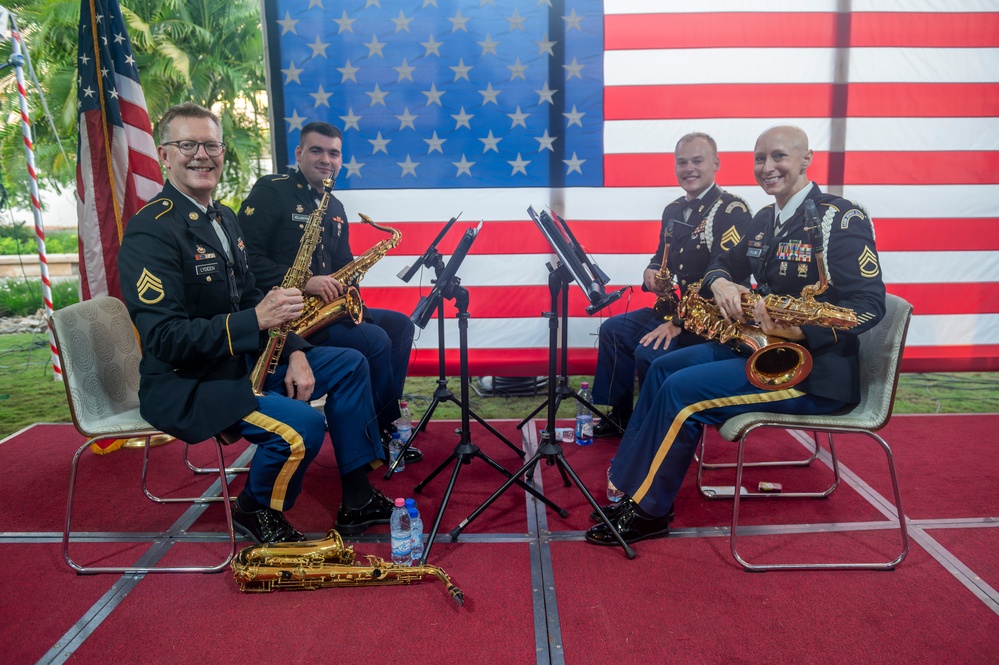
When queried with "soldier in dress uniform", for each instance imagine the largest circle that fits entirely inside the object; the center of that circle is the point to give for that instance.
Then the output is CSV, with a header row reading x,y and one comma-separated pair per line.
x,y
273,217
696,227
203,323
707,384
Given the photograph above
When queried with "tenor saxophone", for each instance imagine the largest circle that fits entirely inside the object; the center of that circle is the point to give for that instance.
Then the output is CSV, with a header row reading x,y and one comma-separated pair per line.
x,y
774,362
317,315
297,277
316,564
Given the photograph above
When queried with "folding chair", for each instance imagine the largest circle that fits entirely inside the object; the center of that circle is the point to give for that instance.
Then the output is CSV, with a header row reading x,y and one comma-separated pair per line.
x,y
99,353
880,359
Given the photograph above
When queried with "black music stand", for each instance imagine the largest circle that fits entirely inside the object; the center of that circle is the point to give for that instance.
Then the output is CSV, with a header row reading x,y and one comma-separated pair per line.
x,y
549,448
449,286
591,279
432,258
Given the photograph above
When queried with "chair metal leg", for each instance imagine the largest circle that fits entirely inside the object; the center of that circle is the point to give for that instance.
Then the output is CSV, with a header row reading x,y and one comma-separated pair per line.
x,y
88,570
900,515
712,492
199,470
185,499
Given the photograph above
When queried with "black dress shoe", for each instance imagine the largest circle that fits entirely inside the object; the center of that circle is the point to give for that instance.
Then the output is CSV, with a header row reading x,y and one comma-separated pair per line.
x,y
265,526
614,509
609,426
412,455
352,521
632,526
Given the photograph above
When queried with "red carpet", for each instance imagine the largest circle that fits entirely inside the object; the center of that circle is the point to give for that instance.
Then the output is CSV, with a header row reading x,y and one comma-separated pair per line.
x,y
534,592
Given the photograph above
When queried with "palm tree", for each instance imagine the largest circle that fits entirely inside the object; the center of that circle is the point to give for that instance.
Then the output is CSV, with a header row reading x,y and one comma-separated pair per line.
x,y
206,51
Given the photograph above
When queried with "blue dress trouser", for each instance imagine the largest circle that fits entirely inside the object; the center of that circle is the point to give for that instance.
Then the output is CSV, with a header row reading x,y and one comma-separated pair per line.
x,y
685,390
386,342
614,378
288,433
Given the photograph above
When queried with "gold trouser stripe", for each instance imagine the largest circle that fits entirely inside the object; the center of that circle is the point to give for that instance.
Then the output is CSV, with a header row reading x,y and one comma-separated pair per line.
x,y
228,334
686,412
295,455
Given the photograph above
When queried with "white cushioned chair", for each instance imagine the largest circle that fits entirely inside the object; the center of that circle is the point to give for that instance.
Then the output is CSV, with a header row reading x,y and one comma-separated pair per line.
x,y
880,359
99,353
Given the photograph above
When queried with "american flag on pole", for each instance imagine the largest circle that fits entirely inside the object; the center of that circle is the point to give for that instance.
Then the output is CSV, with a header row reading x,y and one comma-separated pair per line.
x,y
487,108
117,170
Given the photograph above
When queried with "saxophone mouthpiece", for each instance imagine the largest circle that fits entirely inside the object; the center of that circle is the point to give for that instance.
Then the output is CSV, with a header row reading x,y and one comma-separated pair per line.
x,y
811,213
812,224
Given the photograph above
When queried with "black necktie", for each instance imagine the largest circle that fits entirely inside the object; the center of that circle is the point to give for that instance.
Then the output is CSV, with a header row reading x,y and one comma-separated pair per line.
x,y
214,213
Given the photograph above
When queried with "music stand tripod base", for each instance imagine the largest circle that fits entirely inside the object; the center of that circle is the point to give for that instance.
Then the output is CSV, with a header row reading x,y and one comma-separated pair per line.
x,y
549,449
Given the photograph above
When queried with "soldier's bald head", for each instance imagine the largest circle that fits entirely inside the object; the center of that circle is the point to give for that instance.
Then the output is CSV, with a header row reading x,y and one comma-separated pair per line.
x,y
794,137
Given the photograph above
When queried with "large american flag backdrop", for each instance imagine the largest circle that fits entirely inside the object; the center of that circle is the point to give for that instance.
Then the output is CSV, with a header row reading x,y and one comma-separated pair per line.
x,y
486,108
117,170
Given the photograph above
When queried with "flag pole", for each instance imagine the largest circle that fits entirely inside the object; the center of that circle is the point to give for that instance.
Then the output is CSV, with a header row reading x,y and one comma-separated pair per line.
x,y
17,60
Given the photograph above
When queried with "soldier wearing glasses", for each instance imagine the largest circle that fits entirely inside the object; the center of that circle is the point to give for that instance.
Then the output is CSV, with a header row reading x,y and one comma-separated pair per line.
x,y
202,323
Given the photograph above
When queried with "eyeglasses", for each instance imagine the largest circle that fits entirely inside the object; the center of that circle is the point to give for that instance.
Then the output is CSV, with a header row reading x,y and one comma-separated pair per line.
x,y
190,148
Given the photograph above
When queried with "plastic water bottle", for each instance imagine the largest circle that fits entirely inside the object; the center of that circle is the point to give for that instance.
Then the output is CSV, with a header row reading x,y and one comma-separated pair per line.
x,y
402,534
416,525
584,417
614,495
395,450
404,423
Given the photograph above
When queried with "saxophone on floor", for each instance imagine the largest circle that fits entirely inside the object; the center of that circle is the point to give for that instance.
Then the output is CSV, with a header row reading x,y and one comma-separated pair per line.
x,y
774,362
317,564
317,315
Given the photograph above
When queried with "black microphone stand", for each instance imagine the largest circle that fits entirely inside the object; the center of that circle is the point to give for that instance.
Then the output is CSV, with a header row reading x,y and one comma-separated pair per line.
x,y
466,451
549,448
443,393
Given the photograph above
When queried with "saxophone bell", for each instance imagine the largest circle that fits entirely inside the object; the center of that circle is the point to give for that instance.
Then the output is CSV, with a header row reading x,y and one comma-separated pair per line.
x,y
778,365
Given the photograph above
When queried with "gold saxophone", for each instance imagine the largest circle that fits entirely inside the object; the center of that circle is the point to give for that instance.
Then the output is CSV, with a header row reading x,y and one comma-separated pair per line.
x,y
317,315
297,277
774,362
316,564
665,306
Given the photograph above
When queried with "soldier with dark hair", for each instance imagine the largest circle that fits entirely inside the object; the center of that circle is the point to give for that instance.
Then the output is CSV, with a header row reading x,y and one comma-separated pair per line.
x,y
273,218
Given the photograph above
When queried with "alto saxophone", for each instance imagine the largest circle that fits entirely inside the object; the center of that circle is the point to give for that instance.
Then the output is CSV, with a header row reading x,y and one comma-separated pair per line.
x,y
316,564
774,362
317,315
297,277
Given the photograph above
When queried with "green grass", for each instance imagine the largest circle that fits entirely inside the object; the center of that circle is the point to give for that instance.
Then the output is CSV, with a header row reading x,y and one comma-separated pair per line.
x,y
23,297
30,394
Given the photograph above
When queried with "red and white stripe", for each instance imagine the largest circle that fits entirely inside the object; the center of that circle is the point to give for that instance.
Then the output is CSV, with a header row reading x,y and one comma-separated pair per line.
x,y
36,207
110,193
909,90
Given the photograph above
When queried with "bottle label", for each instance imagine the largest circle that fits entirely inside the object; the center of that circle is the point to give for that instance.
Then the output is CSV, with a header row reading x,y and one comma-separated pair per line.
x,y
584,430
394,451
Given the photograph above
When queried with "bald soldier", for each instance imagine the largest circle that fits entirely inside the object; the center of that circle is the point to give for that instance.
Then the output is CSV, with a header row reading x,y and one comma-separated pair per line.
x,y
707,383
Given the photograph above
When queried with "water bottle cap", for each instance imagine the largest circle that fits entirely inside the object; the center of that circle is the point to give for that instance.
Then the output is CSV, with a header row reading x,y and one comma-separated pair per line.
x,y
413,512
585,385
400,503
403,405
411,503
395,435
